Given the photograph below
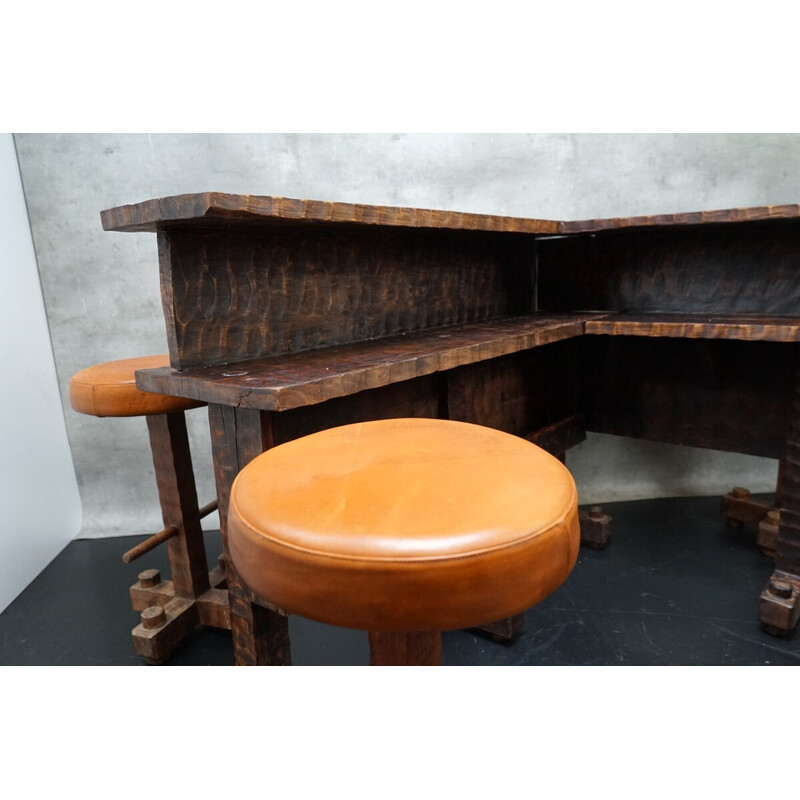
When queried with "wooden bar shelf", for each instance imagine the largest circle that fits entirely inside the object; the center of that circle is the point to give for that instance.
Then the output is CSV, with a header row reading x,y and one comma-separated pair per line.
x,y
699,326
280,383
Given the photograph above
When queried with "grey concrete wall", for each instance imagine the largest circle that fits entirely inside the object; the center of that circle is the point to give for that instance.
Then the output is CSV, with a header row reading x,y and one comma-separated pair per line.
x,y
101,289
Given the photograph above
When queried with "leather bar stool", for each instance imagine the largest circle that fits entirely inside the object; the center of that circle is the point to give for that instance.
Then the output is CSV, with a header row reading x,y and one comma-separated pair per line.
x,y
404,528
171,609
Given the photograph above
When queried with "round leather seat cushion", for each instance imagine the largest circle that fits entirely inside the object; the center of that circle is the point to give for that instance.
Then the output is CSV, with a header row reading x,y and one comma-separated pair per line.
x,y
405,525
109,390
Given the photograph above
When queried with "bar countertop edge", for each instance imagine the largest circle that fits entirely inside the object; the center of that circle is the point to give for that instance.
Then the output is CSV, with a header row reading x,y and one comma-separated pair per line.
x,y
220,208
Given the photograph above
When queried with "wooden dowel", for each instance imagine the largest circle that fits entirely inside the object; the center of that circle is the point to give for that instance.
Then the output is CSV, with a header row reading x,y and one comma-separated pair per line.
x,y
148,544
158,538
206,510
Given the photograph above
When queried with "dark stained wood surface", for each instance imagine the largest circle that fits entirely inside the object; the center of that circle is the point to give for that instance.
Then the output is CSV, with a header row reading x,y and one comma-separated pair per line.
x,y
748,270
299,379
721,216
216,207
260,632
169,442
420,397
698,326
405,649
239,293
723,394
520,393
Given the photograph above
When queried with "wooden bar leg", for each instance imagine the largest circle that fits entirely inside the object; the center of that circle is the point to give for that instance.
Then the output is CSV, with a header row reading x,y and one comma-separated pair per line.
x,y
260,635
271,635
503,630
595,527
779,607
405,649
738,508
767,537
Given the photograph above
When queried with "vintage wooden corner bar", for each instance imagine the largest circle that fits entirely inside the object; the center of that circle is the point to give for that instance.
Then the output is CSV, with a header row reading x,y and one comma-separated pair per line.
x,y
290,316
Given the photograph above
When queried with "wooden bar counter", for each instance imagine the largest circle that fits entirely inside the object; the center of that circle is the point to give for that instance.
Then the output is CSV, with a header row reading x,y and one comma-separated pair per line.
x,y
290,316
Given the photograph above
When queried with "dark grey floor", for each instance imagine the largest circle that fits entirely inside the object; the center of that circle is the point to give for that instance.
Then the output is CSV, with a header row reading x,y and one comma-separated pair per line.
x,y
674,587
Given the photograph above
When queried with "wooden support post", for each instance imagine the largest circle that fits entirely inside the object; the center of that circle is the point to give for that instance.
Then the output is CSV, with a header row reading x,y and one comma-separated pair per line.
x,y
767,538
779,607
739,508
260,634
595,527
405,649
503,630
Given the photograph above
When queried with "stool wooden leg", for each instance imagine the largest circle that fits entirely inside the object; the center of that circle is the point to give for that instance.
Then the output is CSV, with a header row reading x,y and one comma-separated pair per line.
x,y
405,649
177,493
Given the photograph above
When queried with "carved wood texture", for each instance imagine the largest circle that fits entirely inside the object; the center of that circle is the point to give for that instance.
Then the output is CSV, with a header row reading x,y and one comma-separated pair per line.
x,y
235,294
787,552
216,208
721,216
726,395
745,269
298,379
699,326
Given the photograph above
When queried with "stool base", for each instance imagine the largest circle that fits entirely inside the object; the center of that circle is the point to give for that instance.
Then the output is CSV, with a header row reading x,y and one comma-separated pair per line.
x,y
405,649
182,615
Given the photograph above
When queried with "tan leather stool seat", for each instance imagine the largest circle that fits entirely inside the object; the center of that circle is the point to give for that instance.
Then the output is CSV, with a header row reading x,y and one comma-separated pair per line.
x,y
109,390
404,525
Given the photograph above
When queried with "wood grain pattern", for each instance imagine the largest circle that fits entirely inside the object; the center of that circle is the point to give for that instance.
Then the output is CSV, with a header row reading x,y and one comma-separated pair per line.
x,y
405,649
301,379
211,208
560,436
718,217
787,551
726,395
169,443
260,633
236,294
519,393
696,326
779,607
419,397
749,269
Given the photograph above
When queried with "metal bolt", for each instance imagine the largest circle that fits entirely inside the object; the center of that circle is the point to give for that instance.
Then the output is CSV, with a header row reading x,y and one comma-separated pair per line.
x,y
154,617
780,588
149,578
739,493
